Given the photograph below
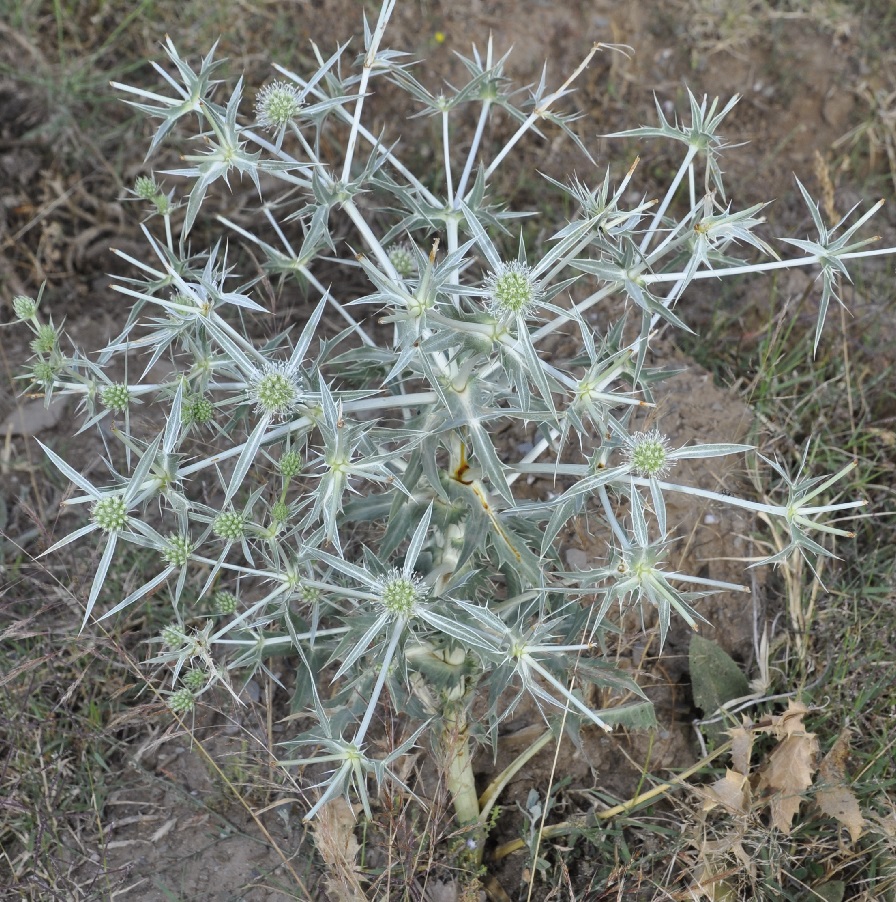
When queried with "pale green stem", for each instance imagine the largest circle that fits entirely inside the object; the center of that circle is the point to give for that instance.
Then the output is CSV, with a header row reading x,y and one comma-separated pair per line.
x,y
670,193
271,641
539,112
446,153
369,61
653,278
397,629
474,147
459,771
496,787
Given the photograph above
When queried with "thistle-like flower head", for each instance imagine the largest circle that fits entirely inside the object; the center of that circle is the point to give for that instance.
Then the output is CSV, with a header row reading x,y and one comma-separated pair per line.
x,y
182,702
224,602
401,257
116,397
110,513
229,525
399,593
648,454
277,104
276,390
24,307
512,291
145,187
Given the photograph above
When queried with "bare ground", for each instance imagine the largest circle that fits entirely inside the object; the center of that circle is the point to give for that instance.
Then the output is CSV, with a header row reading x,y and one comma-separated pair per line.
x,y
171,828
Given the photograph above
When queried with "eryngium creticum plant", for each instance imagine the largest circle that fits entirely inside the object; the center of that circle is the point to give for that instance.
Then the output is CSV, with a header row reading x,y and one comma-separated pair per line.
x,y
357,516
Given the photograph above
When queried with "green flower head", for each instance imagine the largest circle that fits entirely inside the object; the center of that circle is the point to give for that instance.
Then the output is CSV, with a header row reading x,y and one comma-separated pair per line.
x,y
182,702
198,410
116,397
290,464
275,391
647,453
173,636
401,257
24,307
194,680
400,593
277,104
110,513
224,601
178,551
145,187
511,290
43,372
230,525
279,512
45,340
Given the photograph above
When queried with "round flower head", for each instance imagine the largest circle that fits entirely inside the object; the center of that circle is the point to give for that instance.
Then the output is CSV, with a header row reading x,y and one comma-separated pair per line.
x,y
279,512
145,187
224,601
400,593
402,259
647,453
178,551
116,397
511,290
46,339
194,680
173,636
110,513
24,307
229,525
198,410
290,464
275,391
44,372
182,701
277,104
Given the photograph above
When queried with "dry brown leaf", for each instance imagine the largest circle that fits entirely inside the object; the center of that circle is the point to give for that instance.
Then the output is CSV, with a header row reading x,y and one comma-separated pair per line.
x,y
786,724
788,773
833,766
840,803
834,798
710,883
732,792
741,747
334,836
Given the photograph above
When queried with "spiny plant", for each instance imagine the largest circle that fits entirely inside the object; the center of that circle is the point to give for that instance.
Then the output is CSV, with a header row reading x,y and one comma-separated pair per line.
x,y
357,512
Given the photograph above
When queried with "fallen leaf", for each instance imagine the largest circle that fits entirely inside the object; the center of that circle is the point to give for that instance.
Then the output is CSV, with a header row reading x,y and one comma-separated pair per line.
x,y
834,798
741,747
731,792
334,836
781,725
830,891
833,765
840,803
788,773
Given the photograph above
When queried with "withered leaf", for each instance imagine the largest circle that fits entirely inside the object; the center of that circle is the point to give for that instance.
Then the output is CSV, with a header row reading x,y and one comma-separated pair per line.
x,y
787,774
